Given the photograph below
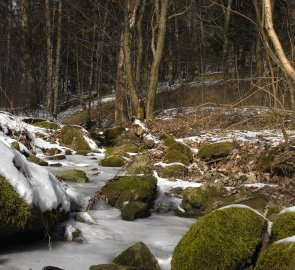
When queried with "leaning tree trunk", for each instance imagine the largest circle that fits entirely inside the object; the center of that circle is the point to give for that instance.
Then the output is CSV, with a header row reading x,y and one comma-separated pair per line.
x,y
157,52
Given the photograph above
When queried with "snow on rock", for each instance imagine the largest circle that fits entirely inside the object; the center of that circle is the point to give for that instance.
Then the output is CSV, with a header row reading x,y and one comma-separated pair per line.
x,y
288,210
290,239
260,185
33,183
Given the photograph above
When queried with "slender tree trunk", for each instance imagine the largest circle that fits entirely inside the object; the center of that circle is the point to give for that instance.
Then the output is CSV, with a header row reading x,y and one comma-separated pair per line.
x,y
285,63
58,60
49,75
158,52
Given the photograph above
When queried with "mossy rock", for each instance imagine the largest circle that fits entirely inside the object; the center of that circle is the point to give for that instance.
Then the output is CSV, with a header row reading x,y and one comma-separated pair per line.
x,y
51,268
283,226
83,152
224,239
113,161
37,161
278,256
168,140
130,188
202,200
139,256
112,134
182,148
172,172
73,137
277,161
122,150
17,217
57,157
134,210
140,165
52,151
111,266
55,165
15,145
77,176
215,150
273,211
175,156
47,125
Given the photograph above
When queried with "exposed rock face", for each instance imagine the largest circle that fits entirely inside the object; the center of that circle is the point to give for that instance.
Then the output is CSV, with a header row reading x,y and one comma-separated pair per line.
x,y
139,256
224,239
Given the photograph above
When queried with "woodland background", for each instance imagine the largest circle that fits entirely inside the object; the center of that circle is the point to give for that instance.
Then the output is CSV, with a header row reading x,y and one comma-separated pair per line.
x,y
58,54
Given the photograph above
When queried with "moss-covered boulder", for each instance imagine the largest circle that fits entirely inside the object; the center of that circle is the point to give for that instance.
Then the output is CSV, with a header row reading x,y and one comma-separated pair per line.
x,y
111,134
134,210
224,239
173,172
215,150
167,139
16,217
47,125
74,137
278,256
130,188
112,266
77,176
57,157
277,161
202,200
178,152
38,161
283,226
273,211
113,161
15,145
139,256
140,165
122,150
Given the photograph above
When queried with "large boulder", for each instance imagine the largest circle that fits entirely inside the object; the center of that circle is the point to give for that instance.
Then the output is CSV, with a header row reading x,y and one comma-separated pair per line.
x,y
130,188
178,152
173,172
278,256
113,161
112,134
122,150
140,165
139,256
74,137
283,226
215,150
75,175
201,200
224,239
134,210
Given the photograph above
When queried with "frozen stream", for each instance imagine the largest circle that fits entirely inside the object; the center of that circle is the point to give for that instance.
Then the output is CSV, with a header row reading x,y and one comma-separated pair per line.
x,y
106,238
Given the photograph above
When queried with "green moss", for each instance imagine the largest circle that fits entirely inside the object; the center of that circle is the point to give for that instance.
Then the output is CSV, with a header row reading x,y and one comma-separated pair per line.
x,y
77,176
215,150
15,145
273,211
17,216
283,226
134,210
266,159
175,156
47,125
168,140
223,239
112,134
140,165
182,148
130,188
198,201
278,256
73,137
113,161
57,157
38,161
122,149
172,172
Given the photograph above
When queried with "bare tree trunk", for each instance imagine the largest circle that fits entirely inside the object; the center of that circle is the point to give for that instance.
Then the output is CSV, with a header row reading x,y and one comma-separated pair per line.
x,y
49,76
57,61
285,63
30,80
158,52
